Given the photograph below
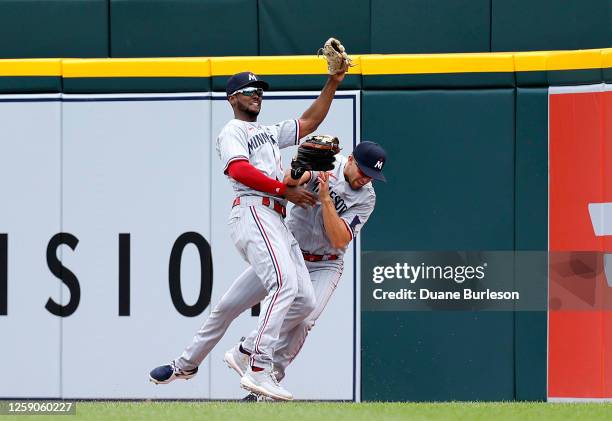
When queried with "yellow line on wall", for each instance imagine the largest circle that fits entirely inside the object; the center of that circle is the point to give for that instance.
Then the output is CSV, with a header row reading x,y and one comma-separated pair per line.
x,y
436,63
142,67
31,67
282,65
369,64
606,58
558,60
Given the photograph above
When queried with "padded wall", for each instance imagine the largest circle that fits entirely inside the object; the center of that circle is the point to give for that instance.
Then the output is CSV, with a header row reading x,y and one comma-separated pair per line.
x,y
450,187
58,28
531,237
182,28
179,28
287,27
527,25
441,26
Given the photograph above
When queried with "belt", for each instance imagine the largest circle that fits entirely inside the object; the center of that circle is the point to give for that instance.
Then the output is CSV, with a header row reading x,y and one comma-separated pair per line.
x,y
318,257
271,203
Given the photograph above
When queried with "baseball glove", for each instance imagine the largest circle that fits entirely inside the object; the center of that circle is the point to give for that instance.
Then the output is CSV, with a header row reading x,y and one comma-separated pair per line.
x,y
316,153
337,59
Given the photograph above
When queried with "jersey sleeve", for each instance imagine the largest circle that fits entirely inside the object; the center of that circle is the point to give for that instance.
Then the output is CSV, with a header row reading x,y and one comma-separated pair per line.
x,y
287,133
312,181
232,145
357,215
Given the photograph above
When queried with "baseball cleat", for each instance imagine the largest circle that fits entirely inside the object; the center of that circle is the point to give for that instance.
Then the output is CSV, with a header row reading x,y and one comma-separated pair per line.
x,y
264,383
236,360
252,397
165,374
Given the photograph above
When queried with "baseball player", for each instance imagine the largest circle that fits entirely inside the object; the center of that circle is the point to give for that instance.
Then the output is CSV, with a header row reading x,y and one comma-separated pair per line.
x,y
252,160
346,200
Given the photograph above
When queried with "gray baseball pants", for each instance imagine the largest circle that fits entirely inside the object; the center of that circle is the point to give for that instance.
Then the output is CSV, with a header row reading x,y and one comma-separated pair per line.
x,y
263,239
246,291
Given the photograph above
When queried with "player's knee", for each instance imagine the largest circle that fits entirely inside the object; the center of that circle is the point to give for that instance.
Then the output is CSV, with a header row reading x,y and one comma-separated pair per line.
x,y
308,324
289,287
310,303
291,291
224,311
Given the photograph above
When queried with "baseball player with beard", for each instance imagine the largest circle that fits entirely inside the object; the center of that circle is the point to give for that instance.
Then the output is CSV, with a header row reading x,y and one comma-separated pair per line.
x,y
252,161
346,200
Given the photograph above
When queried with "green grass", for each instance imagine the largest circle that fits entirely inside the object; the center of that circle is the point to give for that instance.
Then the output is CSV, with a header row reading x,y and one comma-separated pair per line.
x,y
339,411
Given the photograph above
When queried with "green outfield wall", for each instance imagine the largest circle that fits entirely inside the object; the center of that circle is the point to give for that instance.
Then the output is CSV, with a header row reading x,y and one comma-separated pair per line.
x,y
186,28
466,136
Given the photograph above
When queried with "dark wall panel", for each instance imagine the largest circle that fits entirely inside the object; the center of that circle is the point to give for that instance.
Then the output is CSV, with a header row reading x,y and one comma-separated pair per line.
x,y
58,28
30,84
531,209
441,80
437,356
136,84
450,186
441,26
532,169
183,28
287,27
451,169
527,25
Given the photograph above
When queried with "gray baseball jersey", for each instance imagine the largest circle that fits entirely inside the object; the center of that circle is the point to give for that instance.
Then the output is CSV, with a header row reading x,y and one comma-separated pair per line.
x,y
261,235
353,206
259,145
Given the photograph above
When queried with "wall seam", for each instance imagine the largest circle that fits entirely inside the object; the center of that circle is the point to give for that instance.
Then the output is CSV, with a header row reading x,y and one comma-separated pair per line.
x,y
490,25
61,250
108,27
258,28
514,240
369,33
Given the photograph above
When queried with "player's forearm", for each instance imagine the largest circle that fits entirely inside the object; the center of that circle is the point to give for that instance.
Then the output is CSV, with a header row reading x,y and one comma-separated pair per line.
x,y
292,182
335,228
316,113
247,174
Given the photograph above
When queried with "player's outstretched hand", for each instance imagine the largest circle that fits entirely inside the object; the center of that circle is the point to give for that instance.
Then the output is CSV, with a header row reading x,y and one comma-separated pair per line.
x,y
338,77
300,196
323,184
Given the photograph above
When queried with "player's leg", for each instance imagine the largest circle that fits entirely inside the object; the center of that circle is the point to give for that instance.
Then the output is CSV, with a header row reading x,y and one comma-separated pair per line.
x,y
303,305
262,236
325,278
245,291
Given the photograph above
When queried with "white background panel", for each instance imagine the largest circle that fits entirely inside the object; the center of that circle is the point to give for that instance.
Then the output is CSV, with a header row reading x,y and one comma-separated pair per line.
x,y
147,168
30,215
329,347
138,167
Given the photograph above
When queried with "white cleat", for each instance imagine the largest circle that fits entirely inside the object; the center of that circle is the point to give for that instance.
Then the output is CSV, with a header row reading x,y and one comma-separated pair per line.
x,y
264,383
236,360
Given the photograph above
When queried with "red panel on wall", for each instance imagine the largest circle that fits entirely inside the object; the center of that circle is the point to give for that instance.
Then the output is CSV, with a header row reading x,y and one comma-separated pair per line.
x,y
575,169
580,211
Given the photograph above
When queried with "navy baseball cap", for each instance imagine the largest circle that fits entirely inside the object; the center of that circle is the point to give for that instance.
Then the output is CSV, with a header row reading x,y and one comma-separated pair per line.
x,y
244,79
370,157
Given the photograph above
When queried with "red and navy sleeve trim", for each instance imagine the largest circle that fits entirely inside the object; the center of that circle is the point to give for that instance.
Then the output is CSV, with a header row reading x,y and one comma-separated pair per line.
x,y
297,132
349,229
234,159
